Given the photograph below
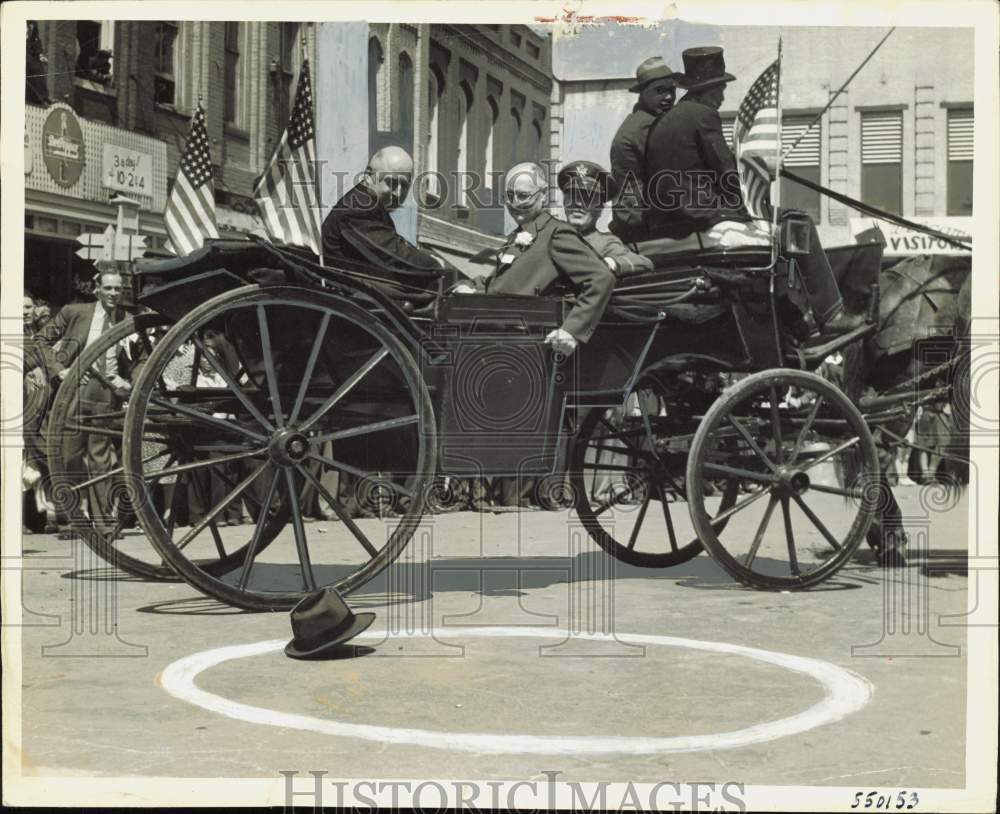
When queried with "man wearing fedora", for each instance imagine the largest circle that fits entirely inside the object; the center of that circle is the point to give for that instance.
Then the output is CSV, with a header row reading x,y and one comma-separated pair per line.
x,y
657,88
586,187
693,185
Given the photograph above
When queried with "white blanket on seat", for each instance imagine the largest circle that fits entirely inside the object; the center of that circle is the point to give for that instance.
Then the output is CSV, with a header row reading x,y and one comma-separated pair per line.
x,y
728,234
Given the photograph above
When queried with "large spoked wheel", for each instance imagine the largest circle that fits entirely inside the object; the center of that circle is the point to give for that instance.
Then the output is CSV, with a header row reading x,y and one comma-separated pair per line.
x,y
627,471
84,433
796,435
298,392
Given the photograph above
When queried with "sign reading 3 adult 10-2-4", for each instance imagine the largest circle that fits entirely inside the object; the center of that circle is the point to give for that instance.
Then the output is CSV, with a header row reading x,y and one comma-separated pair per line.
x,y
62,146
127,170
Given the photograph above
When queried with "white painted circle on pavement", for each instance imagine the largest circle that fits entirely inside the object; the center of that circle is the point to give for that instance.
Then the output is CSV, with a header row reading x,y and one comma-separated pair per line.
x,y
846,692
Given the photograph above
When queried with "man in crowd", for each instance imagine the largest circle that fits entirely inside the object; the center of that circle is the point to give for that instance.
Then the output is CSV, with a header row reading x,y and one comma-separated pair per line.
x,y
693,185
359,227
657,88
586,187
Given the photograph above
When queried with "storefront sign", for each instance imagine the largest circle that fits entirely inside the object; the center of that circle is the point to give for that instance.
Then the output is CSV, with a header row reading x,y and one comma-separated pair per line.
x,y
127,170
901,241
62,146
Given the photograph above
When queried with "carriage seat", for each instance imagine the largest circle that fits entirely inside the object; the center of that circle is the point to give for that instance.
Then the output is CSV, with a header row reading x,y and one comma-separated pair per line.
x,y
729,243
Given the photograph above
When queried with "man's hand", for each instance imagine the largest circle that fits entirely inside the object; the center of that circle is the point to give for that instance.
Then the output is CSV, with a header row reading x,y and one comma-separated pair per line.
x,y
612,265
561,341
63,373
463,288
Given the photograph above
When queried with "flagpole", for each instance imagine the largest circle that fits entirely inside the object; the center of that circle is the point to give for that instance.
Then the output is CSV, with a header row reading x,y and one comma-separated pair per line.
x,y
776,186
319,199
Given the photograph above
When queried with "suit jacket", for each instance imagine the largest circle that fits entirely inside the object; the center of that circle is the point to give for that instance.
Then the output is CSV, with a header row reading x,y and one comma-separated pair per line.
x,y
557,261
691,178
628,167
608,245
69,329
359,228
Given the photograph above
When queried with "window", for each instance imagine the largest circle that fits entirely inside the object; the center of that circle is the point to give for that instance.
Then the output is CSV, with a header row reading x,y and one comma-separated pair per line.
x,y
533,50
165,64
406,99
435,87
463,104
803,161
536,140
492,116
95,42
288,62
960,161
882,160
515,136
728,126
233,87
515,39
375,58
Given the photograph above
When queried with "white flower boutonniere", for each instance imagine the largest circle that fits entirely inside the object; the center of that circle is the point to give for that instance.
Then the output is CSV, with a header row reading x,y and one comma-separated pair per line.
x,y
524,239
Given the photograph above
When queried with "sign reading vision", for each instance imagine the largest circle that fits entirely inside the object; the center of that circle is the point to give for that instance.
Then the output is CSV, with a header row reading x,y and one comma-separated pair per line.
x,y
62,146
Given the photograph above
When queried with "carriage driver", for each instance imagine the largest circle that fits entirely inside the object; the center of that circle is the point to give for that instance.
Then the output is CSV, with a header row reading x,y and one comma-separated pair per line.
x,y
547,256
586,187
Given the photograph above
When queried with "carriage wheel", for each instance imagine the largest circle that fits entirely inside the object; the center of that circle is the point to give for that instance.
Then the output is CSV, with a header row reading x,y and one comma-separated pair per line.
x,y
295,385
627,472
795,434
88,403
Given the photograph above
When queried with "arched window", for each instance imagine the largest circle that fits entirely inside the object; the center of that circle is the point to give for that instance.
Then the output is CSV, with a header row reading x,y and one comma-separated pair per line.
x,y
406,100
375,58
492,116
435,87
463,165
536,140
515,136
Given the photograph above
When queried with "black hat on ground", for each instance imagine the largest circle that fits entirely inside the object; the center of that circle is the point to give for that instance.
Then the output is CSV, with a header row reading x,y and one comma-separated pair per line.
x,y
321,622
585,181
703,68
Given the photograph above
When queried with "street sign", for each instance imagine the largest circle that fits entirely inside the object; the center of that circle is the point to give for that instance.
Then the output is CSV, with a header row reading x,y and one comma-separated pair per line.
x,y
129,247
97,246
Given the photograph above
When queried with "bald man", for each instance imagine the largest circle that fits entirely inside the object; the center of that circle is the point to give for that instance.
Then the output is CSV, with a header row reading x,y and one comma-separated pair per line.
x,y
548,256
359,227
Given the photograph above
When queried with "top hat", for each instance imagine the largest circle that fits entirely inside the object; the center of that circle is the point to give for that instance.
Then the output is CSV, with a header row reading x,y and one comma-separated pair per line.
x,y
585,179
703,68
650,70
322,621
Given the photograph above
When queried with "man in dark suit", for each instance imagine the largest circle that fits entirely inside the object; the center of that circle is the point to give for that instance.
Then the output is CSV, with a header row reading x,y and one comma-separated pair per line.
x,y
656,85
359,227
693,183
547,256
74,328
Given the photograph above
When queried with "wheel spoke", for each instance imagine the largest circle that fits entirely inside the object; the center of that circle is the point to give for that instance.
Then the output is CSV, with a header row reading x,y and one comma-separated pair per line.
x,y
836,490
835,451
345,518
205,418
625,451
268,357
301,544
776,426
758,538
717,520
639,518
345,388
793,560
805,428
207,520
666,516
310,365
191,467
608,467
364,429
817,522
258,533
739,473
233,385
116,471
148,348
352,470
743,431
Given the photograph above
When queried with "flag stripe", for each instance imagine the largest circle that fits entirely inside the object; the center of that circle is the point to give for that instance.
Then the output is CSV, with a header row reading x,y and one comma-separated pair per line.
x,y
190,212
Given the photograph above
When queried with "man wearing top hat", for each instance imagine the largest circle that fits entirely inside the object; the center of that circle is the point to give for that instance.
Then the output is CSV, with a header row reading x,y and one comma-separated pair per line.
x,y
693,185
586,187
657,87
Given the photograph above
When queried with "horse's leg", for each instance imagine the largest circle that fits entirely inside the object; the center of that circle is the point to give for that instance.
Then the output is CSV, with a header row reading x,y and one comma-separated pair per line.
x,y
887,537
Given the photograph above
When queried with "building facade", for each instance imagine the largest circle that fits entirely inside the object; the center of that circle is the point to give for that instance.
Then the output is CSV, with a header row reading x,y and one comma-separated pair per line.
x,y
899,138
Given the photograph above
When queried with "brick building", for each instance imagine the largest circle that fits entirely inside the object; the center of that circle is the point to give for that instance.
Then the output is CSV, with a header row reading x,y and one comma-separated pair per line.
x,y
900,138
466,101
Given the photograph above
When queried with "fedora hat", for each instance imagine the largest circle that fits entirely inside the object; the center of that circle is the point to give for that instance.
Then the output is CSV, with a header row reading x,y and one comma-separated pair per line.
x,y
322,621
650,70
585,179
703,68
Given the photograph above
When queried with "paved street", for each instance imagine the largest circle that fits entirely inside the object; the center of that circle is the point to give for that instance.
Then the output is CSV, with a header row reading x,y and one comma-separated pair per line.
x,y
98,704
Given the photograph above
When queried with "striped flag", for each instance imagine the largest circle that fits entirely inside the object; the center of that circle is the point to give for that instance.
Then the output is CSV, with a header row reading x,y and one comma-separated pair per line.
x,y
286,192
190,212
755,141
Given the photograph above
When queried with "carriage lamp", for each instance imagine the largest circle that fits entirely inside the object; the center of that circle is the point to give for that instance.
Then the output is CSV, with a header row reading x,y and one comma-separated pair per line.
x,y
796,236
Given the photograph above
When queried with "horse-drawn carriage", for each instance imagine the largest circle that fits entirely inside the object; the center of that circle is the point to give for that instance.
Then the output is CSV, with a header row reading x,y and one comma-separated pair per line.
x,y
284,379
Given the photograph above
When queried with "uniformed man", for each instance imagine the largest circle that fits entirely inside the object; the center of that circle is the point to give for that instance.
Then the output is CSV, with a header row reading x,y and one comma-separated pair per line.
x,y
656,85
359,227
693,185
586,187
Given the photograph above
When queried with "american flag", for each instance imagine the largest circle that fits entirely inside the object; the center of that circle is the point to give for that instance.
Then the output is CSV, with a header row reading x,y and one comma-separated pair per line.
x,y
286,192
190,213
755,140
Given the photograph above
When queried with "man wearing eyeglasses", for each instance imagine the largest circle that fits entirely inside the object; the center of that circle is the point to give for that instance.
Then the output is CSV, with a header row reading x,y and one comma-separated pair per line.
x,y
547,256
359,227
